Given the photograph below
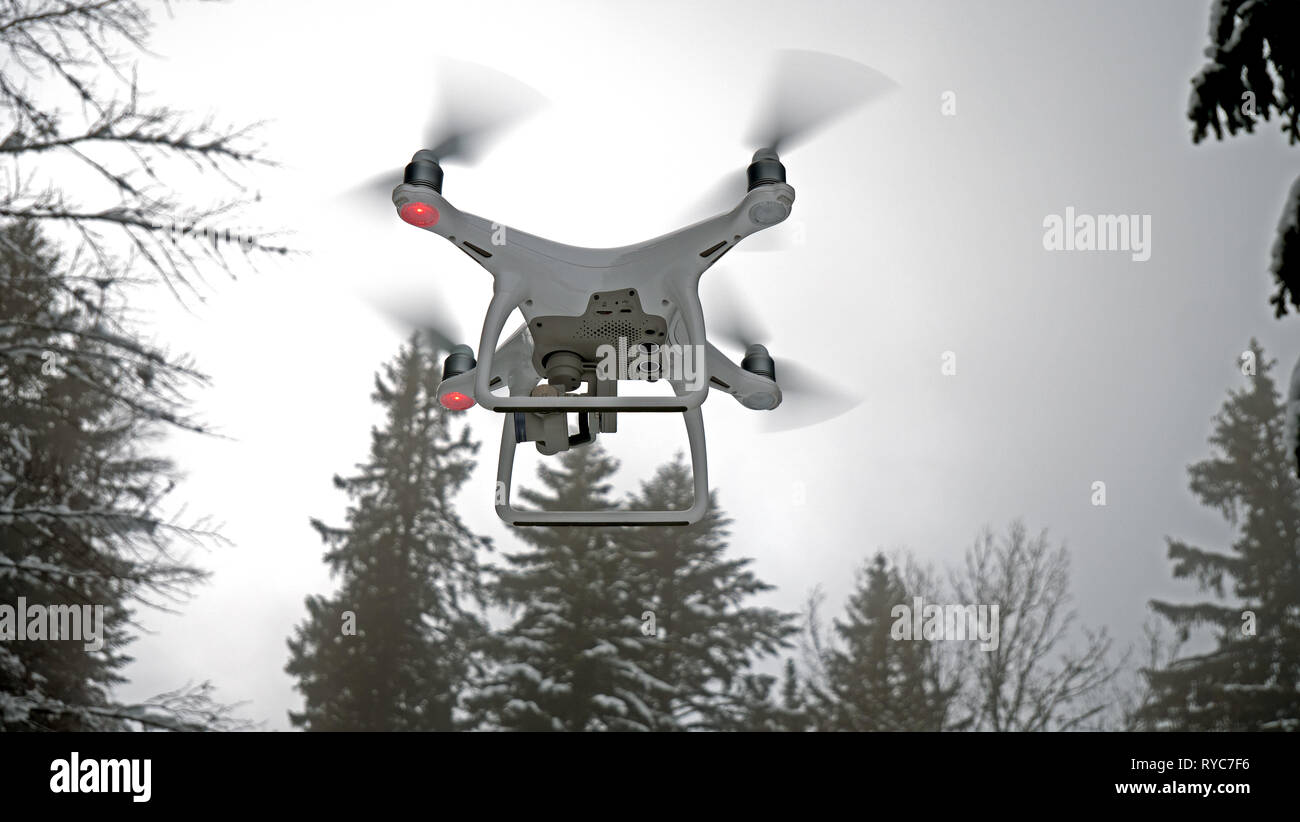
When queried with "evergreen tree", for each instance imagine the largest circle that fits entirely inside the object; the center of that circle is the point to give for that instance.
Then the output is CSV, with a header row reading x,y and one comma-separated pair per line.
x,y
870,680
82,392
392,649
707,637
1252,73
754,703
80,493
1251,679
633,628
571,659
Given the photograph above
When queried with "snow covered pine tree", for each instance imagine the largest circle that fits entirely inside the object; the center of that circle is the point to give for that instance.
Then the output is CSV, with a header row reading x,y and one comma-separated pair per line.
x,y
106,176
391,650
1251,679
1251,73
80,397
627,628
872,682
571,660
707,639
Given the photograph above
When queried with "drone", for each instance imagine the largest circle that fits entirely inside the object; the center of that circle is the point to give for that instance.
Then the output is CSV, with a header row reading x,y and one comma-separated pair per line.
x,y
594,317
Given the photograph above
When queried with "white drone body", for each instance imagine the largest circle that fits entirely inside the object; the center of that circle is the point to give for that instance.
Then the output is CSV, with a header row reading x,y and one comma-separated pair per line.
x,y
577,302
581,305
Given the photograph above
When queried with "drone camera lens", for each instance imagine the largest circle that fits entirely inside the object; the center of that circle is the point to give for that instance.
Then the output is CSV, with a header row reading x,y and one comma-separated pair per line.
x,y
563,370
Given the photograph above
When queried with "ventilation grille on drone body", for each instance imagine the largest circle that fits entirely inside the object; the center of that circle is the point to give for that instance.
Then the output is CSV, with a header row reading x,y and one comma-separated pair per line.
x,y
610,330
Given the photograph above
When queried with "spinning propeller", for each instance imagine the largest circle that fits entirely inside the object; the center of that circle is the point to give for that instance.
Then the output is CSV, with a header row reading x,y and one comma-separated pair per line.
x,y
418,310
476,105
806,91
808,397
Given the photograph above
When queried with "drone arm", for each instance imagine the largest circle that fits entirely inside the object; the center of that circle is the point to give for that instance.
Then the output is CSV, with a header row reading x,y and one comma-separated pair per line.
x,y
512,365
750,390
498,248
427,209
541,277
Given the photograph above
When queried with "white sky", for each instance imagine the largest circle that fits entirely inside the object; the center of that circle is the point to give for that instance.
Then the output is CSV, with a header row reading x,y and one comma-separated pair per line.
x,y
924,236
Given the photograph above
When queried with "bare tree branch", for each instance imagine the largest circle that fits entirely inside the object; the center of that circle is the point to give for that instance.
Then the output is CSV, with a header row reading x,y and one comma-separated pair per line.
x,y
1035,679
66,50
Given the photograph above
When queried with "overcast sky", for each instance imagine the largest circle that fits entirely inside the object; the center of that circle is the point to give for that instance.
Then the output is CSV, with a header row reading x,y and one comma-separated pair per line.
x,y
924,235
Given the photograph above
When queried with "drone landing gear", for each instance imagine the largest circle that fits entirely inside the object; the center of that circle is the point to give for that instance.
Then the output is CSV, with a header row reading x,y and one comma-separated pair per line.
x,y
515,516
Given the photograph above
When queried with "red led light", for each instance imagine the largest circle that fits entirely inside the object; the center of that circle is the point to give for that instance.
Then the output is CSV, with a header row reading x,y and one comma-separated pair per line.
x,y
420,214
455,401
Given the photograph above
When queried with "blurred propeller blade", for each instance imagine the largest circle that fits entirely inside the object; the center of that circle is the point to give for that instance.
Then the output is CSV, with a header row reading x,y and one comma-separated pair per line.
x,y
377,189
730,316
807,397
476,104
421,311
807,91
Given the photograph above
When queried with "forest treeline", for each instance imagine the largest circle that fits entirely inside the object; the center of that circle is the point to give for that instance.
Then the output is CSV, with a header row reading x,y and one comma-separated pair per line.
x,y
661,628
433,627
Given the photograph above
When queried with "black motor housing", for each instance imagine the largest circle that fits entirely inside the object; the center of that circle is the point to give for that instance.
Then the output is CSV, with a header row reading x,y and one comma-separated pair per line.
x,y
459,360
423,170
765,169
758,361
